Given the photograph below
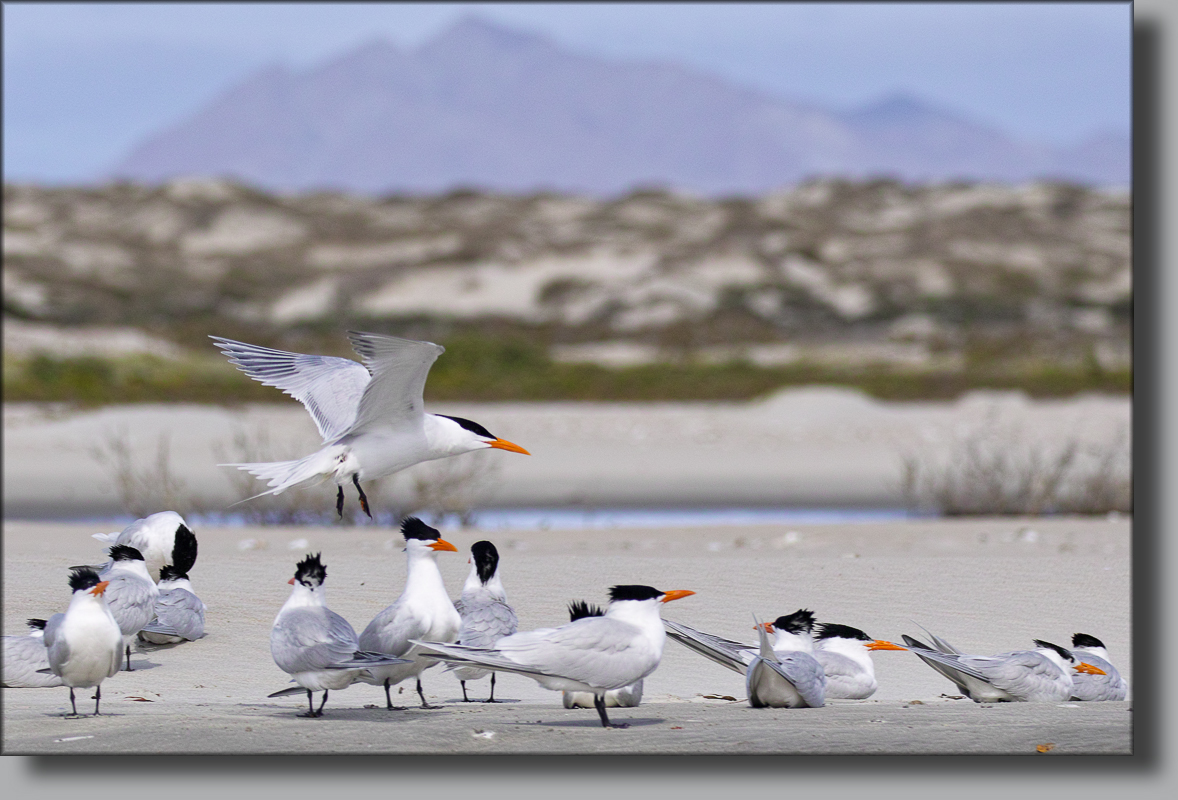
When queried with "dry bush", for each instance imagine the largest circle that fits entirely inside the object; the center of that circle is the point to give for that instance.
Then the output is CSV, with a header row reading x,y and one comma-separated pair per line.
x,y
143,488
998,467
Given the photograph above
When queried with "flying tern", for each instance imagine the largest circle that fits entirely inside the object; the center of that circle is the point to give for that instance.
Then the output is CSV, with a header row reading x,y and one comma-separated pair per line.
x,y
593,654
1110,686
315,645
370,414
486,616
1040,675
131,594
626,697
157,537
26,661
845,655
423,611
84,645
782,678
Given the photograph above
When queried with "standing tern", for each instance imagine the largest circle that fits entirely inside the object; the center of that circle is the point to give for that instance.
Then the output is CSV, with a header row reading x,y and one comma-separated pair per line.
x,y
315,645
626,697
845,655
780,677
370,415
131,594
486,616
423,611
1040,675
593,654
26,661
1110,686
156,536
84,643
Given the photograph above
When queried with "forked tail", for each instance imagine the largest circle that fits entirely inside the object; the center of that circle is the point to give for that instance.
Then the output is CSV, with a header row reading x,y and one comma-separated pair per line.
x,y
282,475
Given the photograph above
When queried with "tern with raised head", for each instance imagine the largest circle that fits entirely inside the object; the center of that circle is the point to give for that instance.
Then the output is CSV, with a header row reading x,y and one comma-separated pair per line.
x,y
845,655
792,633
371,415
626,697
26,661
131,594
783,674
313,644
486,616
84,644
593,654
423,611
1087,686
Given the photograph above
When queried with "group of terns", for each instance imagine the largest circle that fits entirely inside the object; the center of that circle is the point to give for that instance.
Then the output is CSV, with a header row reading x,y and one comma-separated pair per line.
x,y
370,415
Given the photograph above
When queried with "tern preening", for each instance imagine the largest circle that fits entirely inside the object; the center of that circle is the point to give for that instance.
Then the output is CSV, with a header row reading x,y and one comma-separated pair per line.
x,y
626,697
593,654
84,644
845,655
1040,675
1086,686
423,611
315,645
371,415
131,594
157,537
26,661
781,677
486,616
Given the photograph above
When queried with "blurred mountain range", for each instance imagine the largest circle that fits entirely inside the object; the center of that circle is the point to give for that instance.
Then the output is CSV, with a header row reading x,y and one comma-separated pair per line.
x,y
486,107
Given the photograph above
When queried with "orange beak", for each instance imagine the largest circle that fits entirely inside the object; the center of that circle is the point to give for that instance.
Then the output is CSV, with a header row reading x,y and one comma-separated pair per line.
x,y
880,644
291,581
676,594
99,588
442,544
503,444
1088,669
767,626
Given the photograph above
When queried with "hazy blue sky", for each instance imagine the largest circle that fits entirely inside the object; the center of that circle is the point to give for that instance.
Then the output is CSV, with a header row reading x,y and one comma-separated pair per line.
x,y
84,82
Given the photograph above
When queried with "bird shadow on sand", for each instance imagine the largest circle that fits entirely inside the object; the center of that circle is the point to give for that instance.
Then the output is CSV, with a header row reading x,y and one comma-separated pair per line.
x,y
592,723
477,703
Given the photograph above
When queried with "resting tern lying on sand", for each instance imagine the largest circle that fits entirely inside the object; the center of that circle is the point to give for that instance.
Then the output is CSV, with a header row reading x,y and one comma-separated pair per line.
x,y
156,536
179,613
423,611
24,656
84,644
486,616
626,697
370,415
845,655
781,678
1110,685
791,632
131,594
315,645
593,654
1040,675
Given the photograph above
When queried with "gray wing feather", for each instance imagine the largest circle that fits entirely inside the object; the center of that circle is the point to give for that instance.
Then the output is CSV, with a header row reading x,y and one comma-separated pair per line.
x,y
308,639
1110,686
805,673
399,367
484,624
390,631
330,388
23,657
131,602
180,611
725,652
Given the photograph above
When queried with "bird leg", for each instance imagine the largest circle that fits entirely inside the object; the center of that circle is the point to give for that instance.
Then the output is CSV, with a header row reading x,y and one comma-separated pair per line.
x,y
492,699
97,699
311,705
389,700
339,502
599,703
129,659
465,699
421,694
322,703
73,705
363,497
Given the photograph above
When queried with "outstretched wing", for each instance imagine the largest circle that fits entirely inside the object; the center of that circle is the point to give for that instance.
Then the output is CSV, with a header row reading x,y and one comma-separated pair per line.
x,y
329,387
399,368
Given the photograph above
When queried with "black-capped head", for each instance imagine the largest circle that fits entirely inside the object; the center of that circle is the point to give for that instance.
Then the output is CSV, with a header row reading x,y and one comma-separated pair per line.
x,y
84,578
35,624
124,552
172,573
184,550
413,528
311,571
1082,641
830,630
634,592
469,425
1065,653
486,559
801,621
579,609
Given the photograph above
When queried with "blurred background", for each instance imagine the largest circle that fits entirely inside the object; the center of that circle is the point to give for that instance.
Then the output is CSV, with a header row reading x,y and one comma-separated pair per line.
x,y
654,203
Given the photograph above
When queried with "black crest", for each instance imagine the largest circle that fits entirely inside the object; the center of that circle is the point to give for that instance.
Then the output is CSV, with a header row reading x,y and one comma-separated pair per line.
x,y
35,624
311,571
579,609
801,621
473,427
830,630
634,592
1063,651
171,573
123,552
184,550
84,578
413,528
486,559
1083,640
